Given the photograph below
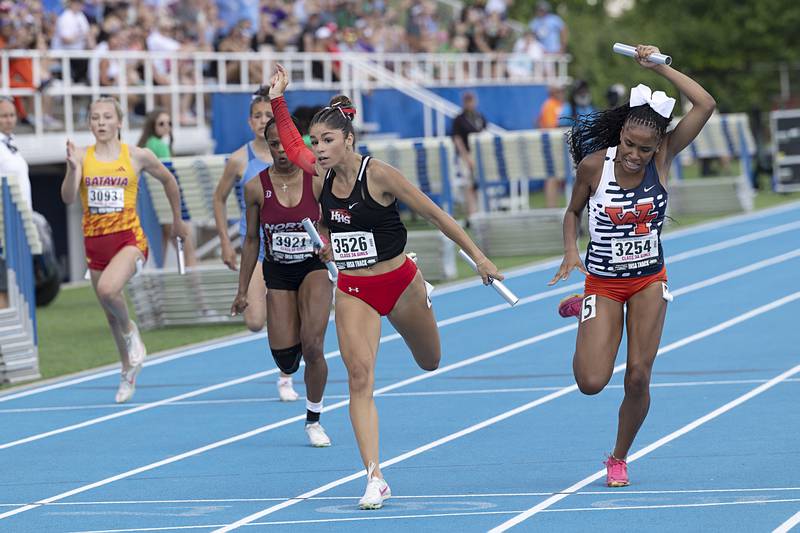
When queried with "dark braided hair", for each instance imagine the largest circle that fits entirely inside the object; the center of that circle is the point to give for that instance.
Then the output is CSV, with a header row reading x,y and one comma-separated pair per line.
x,y
600,130
271,122
339,115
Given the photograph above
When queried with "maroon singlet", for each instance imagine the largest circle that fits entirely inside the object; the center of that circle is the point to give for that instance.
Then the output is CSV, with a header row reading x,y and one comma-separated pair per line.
x,y
285,240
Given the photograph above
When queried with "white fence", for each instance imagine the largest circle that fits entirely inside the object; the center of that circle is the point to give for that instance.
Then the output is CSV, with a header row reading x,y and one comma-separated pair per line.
x,y
199,74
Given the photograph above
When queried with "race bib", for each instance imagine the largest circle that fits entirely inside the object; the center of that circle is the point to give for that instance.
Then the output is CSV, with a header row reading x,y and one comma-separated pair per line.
x,y
354,249
292,243
634,249
106,199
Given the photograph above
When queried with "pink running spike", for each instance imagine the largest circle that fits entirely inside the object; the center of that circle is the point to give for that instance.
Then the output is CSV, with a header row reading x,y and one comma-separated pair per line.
x,y
570,306
616,472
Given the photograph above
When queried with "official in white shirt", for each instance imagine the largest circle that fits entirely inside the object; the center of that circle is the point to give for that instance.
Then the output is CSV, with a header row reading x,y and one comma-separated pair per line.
x,y
11,163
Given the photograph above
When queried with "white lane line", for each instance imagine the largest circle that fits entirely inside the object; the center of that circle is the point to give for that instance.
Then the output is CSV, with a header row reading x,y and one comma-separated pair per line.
x,y
735,219
442,323
671,506
452,392
738,272
203,348
736,241
210,345
651,447
414,379
281,423
237,381
508,414
445,322
669,235
789,524
368,517
611,492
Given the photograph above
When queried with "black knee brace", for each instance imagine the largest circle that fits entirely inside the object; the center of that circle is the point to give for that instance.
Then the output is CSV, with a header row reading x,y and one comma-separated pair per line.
x,y
288,359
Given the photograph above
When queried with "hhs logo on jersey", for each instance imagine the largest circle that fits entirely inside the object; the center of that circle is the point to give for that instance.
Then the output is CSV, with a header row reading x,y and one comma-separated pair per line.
x,y
342,216
641,215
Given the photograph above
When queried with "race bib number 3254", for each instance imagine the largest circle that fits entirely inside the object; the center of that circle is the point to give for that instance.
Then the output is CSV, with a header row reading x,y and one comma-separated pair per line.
x,y
632,249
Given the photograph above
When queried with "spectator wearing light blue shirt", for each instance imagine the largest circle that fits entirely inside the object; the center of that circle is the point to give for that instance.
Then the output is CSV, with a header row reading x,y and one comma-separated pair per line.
x,y
232,11
578,104
549,29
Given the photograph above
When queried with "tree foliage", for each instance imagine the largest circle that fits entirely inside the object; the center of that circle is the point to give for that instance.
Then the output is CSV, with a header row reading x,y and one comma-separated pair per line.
x,y
732,48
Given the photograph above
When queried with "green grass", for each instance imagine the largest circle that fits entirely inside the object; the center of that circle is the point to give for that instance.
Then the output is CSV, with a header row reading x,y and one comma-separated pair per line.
x,y
74,335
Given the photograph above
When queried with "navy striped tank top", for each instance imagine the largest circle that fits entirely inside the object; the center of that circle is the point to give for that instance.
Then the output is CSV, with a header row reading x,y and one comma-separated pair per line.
x,y
625,224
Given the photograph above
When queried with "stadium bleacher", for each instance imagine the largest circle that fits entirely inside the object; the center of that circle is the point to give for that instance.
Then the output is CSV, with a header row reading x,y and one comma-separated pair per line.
x,y
19,240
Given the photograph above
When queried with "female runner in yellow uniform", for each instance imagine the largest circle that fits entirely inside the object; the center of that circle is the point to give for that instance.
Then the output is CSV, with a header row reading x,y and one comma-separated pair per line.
x,y
105,176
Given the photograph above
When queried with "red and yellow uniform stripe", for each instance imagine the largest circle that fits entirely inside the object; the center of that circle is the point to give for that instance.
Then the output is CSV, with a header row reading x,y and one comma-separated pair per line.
x,y
108,192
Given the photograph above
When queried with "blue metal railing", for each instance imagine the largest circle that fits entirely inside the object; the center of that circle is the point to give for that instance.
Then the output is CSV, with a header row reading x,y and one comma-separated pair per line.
x,y
18,255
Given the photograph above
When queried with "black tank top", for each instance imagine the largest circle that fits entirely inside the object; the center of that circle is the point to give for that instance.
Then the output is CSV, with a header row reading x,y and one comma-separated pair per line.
x,y
363,232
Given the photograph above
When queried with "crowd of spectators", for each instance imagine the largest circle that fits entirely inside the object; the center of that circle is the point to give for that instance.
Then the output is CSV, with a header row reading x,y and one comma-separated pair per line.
x,y
415,26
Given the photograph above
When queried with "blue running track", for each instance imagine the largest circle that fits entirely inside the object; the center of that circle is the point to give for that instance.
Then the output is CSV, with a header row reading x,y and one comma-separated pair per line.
x,y
497,438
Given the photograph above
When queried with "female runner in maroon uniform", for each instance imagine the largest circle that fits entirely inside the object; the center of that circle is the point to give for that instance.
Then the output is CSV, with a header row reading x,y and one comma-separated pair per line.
x,y
299,292
623,157
359,209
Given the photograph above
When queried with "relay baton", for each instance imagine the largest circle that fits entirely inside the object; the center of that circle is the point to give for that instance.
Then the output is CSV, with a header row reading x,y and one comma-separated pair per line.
x,y
627,50
317,240
501,289
181,257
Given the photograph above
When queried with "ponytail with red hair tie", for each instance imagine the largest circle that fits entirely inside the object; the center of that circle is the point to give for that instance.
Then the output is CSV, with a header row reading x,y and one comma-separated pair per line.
x,y
347,112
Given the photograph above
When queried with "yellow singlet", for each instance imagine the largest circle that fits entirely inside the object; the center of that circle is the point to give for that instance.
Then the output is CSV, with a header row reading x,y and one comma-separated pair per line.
x,y
108,194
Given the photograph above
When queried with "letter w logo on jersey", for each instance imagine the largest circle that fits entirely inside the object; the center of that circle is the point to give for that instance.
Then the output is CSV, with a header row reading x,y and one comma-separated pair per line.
x,y
641,215
341,216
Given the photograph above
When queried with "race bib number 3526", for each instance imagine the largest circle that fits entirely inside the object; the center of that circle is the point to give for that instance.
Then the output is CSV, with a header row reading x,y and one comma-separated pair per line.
x,y
353,246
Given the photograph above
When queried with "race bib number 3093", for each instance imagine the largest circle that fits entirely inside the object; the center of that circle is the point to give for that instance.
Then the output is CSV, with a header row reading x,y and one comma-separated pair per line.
x,y
106,199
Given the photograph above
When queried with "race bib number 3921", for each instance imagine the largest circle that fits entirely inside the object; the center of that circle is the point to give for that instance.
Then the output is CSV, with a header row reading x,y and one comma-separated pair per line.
x,y
106,199
292,243
632,249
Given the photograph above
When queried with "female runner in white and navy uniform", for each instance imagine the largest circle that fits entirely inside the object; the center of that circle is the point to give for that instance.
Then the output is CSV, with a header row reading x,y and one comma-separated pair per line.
x,y
359,203
623,156
299,291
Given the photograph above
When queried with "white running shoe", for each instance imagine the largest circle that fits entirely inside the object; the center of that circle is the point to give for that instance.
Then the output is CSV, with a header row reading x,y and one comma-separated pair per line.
x,y
127,384
428,287
377,492
286,390
135,347
428,292
317,436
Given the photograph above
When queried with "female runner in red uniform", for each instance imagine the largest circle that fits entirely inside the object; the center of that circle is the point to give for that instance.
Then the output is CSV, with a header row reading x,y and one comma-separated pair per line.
x,y
367,240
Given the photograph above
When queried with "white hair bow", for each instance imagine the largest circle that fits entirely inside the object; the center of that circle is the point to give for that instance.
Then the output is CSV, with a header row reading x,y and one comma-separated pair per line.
x,y
659,101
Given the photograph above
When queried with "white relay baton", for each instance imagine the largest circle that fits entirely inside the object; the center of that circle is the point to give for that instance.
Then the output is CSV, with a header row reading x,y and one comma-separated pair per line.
x,y
317,240
628,50
501,289
181,256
